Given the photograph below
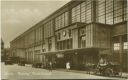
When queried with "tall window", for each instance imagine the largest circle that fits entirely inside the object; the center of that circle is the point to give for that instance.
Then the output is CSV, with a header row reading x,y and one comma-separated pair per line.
x,y
48,29
111,11
88,11
82,38
61,21
125,45
101,11
116,46
65,44
125,42
82,12
83,41
76,14
125,10
58,36
66,41
118,11
37,34
49,44
69,43
70,33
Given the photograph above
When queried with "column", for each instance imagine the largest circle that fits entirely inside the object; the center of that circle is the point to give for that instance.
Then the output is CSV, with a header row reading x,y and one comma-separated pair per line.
x,y
70,17
121,51
93,10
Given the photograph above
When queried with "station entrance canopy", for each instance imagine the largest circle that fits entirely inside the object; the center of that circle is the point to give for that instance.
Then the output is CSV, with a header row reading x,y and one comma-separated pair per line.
x,y
76,51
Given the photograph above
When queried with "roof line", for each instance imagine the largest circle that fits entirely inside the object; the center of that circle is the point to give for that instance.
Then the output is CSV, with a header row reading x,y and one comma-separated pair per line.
x,y
43,20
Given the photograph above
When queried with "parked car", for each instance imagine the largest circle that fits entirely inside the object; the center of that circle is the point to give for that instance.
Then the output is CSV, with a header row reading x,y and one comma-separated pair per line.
x,y
111,69
9,60
37,65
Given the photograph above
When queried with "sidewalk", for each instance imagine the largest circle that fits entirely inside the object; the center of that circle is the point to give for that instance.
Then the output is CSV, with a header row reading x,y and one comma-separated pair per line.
x,y
124,75
28,65
76,71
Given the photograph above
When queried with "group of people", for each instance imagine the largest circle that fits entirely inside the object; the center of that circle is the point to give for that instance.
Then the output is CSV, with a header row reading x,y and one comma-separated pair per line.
x,y
51,66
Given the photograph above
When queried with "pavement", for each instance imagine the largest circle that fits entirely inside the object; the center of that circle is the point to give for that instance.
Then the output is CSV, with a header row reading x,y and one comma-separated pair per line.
x,y
14,72
124,75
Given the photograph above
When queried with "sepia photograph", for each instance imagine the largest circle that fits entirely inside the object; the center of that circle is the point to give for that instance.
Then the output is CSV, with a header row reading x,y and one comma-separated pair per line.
x,y
64,39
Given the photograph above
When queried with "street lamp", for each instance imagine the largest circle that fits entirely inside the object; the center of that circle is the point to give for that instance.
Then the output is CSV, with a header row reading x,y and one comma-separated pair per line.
x,y
76,53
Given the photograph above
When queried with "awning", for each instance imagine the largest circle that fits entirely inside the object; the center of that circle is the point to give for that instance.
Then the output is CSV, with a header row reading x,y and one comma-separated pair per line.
x,y
45,53
79,50
105,54
89,50
56,52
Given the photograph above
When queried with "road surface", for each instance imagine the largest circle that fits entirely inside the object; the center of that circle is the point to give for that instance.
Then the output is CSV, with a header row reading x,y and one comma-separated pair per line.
x,y
27,72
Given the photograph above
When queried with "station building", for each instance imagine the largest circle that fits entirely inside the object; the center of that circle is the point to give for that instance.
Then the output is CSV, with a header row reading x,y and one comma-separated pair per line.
x,y
81,32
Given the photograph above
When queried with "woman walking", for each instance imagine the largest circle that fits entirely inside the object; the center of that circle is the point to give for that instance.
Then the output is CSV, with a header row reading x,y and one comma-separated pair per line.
x,y
50,66
67,66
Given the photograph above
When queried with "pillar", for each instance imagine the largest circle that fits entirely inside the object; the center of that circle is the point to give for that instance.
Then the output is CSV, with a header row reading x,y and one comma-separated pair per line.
x,y
121,51
93,10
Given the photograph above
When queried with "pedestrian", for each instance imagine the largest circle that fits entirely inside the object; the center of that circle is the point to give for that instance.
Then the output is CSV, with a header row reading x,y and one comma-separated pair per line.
x,y
50,66
54,65
68,66
88,68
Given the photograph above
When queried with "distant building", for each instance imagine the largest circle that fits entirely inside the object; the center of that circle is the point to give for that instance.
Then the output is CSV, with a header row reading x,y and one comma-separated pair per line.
x,y
2,50
81,32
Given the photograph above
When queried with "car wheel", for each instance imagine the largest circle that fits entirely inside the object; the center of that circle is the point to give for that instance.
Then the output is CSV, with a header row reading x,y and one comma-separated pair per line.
x,y
109,72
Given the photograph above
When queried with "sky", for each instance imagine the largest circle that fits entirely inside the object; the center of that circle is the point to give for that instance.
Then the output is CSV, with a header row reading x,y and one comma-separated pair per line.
x,y
17,15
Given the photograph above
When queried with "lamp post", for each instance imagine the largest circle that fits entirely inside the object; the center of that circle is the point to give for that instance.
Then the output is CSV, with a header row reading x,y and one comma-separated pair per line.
x,y
76,60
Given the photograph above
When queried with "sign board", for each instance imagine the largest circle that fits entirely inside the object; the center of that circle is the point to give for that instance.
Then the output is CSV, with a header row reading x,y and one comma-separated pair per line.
x,y
60,55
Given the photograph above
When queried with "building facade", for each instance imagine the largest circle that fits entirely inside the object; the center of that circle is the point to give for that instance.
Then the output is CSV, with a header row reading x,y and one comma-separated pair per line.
x,y
81,32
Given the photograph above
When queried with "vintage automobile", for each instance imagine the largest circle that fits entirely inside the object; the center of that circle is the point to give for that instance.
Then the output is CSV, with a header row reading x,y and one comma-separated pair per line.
x,y
115,69
110,69
9,60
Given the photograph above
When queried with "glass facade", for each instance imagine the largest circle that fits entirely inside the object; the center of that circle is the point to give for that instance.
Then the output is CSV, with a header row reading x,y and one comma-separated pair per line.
x,y
64,39
65,44
49,44
110,11
100,11
118,11
82,12
58,34
107,12
61,21
38,34
48,29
